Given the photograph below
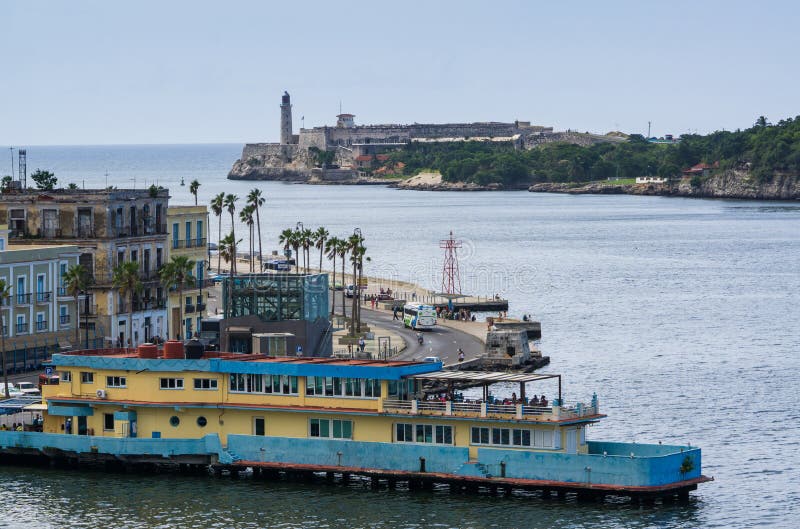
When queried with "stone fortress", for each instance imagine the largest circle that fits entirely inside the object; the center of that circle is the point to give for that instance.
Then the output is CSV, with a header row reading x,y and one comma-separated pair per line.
x,y
298,156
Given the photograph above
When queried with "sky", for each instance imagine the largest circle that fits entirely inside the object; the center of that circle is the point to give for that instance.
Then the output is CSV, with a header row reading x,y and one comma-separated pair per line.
x,y
85,72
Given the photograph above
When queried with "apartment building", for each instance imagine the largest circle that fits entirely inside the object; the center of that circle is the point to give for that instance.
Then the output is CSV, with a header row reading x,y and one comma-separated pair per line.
x,y
38,315
108,227
187,228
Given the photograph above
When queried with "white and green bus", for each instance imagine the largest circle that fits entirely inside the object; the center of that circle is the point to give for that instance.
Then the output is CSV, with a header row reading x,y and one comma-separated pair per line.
x,y
418,316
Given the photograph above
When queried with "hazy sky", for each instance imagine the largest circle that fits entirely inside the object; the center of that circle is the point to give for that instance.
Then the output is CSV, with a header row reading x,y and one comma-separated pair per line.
x,y
103,72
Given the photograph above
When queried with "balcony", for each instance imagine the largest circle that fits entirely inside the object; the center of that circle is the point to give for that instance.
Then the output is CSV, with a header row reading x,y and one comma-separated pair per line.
x,y
50,233
149,275
88,310
188,309
495,411
5,302
178,244
22,328
201,307
64,319
85,232
62,292
41,325
23,299
44,297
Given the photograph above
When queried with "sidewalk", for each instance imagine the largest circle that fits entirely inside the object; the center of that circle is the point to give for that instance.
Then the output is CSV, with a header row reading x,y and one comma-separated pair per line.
x,y
380,342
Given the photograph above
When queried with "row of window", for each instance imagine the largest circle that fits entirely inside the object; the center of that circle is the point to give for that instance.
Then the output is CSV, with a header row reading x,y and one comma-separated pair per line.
x,y
512,437
342,387
87,377
331,428
267,384
424,433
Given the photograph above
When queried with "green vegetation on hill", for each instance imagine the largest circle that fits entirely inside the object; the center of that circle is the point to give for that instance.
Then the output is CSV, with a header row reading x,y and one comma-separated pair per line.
x,y
763,148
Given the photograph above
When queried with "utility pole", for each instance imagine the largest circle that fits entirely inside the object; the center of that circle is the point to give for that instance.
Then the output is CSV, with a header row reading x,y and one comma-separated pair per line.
x,y
648,130
11,151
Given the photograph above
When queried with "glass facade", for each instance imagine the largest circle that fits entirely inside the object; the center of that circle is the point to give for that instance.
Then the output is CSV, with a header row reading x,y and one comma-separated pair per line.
x,y
277,297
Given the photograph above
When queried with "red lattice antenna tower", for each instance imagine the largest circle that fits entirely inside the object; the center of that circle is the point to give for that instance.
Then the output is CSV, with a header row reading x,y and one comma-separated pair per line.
x,y
451,277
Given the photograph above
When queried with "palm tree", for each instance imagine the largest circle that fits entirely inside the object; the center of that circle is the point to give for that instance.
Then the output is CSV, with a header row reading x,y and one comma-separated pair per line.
x,y
246,217
307,240
296,242
227,247
126,280
217,208
193,187
255,199
354,247
177,273
330,247
75,281
5,293
319,241
342,247
285,238
230,205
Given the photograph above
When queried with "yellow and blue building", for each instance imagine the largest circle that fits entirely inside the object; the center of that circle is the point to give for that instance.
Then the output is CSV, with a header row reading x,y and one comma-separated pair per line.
x,y
338,415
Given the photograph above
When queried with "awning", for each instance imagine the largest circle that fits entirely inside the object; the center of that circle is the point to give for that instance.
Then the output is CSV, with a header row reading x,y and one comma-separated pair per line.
x,y
482,376
240,330
36,407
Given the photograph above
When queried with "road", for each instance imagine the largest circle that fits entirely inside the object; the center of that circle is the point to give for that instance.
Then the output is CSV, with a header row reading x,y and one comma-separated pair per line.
x,y
441,341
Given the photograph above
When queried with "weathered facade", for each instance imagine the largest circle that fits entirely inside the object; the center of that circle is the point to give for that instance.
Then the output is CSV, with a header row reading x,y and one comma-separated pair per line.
x,y
108,227
188,235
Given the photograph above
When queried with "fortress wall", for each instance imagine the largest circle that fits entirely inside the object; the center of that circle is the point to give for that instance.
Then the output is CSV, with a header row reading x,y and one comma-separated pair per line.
x,y
454,130
312,138
269,150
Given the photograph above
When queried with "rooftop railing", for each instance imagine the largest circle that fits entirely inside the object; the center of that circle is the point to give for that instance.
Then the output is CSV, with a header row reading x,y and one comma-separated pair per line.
x,y
483,410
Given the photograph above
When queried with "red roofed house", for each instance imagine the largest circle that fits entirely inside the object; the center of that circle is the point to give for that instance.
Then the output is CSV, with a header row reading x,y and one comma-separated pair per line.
x,y
702,169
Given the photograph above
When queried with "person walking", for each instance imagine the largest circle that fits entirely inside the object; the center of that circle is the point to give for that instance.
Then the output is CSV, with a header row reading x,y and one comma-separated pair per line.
x,y
460,355
361,344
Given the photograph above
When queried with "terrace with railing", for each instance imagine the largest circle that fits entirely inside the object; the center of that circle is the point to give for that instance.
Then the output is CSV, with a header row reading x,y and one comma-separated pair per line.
x,y
447,402
518,411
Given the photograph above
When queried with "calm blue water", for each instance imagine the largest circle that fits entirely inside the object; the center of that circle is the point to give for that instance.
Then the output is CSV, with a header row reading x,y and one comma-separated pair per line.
x,y
681,314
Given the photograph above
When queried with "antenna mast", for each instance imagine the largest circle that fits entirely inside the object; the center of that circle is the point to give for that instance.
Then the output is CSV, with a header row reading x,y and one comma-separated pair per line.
x,y
451,277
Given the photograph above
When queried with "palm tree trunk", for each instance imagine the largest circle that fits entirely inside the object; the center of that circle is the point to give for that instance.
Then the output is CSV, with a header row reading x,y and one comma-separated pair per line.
x,y
130,320
233,232
3,357
333,303
354,305
180,310
344,284
260,256
322,247
77,317
219,238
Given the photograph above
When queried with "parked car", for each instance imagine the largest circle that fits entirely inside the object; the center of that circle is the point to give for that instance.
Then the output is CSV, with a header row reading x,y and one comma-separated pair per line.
x,y
433,359
12,390
28,388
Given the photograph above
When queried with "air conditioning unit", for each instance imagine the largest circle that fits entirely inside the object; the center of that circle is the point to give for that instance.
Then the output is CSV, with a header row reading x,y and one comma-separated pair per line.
x,y
101,394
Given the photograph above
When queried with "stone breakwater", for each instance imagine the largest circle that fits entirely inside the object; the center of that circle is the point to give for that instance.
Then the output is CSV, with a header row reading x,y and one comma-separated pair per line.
x,y
726,184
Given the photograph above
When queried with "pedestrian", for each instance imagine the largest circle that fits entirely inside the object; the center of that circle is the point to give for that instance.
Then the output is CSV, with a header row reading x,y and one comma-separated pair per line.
x,y
361,344
394,314
68,426
413,296
460,355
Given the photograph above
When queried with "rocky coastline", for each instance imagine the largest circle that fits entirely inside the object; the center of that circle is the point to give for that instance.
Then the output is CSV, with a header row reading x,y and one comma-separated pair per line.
x,y
732,184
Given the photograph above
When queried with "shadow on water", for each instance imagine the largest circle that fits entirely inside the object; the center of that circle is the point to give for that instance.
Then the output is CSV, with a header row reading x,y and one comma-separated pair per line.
x,y
91,499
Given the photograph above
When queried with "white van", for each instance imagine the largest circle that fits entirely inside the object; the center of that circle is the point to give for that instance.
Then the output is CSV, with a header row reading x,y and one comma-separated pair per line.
x,y
28,388
12,390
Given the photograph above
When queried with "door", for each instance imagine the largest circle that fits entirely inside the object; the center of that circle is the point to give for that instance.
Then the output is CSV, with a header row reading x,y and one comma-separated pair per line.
x,y
258,426
572,441
82,429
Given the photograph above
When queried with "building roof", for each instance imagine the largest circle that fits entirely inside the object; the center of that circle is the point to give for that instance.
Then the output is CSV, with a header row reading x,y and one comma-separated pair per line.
x,y
364,158
488,377
119,359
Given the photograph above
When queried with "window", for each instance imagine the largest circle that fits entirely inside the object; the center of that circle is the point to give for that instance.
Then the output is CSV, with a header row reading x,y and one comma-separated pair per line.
x,y
116,382
108,422
274,384
331,428
343,387
87,377
512,437
205,383
171,383
201,422
423,433
66,376
174,421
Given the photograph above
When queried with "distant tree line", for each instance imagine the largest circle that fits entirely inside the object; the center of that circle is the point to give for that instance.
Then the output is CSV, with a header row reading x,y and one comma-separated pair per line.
x,y
763,148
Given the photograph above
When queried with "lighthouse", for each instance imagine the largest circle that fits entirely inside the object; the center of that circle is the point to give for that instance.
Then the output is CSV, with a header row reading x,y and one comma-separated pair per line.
x,y
286,119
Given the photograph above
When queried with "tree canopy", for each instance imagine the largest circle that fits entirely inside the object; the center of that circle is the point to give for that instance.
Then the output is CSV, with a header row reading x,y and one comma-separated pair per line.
x,y
763,148
45,180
